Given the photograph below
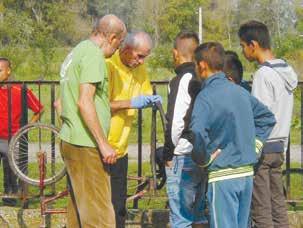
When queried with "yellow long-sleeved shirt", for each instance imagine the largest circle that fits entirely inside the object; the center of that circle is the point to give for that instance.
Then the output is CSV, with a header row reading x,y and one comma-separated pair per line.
x,y
124,84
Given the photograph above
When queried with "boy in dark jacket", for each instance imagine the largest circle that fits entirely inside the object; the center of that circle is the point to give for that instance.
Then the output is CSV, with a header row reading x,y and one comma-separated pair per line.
x,y
185,180
228,120
233,70
273,85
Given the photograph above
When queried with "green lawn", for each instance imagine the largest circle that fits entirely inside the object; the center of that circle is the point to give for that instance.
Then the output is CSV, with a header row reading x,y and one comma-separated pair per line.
x,y
150,201
296,188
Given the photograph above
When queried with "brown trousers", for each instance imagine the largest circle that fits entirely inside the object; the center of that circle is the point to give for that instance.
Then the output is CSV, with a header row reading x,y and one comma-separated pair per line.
x,y
91,188
268,202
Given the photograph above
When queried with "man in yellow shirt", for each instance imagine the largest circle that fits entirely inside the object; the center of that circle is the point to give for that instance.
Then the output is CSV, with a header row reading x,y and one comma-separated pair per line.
x,y
129,89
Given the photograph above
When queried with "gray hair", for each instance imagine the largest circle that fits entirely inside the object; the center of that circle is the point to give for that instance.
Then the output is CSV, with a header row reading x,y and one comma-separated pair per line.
x,y
136,39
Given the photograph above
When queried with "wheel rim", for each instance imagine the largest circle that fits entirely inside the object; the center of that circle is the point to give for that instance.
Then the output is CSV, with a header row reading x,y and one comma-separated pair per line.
x,y
25,147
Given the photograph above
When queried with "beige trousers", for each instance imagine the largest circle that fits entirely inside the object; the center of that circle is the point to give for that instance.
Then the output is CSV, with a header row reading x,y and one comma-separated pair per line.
x,y
91,188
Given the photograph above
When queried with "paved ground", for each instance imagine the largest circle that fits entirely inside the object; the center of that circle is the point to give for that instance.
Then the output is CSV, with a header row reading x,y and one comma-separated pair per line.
x,y
295,153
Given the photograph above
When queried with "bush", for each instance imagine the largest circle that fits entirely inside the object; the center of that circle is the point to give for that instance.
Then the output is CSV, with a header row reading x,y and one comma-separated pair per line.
x,y
161,57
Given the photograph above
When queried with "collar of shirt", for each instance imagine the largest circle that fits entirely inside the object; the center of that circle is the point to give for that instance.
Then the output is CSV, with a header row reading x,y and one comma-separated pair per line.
x,y
184,68
212,78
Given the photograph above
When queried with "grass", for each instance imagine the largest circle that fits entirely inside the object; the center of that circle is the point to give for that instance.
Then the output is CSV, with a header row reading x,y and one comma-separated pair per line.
x,y
296,188
150,201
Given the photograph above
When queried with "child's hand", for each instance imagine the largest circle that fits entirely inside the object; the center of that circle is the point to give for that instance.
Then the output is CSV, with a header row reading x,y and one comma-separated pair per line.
x,y
215,154
169,164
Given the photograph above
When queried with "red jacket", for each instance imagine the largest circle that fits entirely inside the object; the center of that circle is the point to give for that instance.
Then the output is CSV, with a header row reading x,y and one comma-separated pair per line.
x,y
16,108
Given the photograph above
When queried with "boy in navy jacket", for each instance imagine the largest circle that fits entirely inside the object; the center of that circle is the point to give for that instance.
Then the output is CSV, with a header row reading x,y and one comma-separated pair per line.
x,y
233,69
226,120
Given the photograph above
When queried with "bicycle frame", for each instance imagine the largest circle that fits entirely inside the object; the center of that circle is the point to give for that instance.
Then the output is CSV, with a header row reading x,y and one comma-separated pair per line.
x,y
146,185
44,201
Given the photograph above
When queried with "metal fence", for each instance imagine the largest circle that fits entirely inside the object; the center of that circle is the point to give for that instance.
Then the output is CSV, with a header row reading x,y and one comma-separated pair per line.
x,y
46,92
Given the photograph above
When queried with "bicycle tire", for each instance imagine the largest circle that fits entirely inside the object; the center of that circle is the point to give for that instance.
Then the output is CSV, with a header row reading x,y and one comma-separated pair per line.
x,y
22,153
293,185
157,166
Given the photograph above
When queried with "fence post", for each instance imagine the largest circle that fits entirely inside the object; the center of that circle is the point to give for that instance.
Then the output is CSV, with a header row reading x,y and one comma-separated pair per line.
x,y
135,205
53,143
301,90
23,122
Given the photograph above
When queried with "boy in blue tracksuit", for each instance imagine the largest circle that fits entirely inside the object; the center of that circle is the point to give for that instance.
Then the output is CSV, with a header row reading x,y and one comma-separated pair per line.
x,y
226,120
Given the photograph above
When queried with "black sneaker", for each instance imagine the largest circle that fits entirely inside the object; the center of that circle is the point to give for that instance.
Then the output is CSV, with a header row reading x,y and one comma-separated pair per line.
x,y
8,201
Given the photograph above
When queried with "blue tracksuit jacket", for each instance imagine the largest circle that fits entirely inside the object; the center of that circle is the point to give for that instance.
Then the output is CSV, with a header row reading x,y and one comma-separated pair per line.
x,y
225,116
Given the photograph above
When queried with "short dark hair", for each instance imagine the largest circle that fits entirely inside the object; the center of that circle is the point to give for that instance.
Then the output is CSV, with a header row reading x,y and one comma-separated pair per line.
x,y
212,53
233,67
257,31
233,53
186,35
3,59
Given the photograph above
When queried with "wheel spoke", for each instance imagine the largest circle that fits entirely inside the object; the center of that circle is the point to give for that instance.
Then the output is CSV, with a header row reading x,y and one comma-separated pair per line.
x,y
26,145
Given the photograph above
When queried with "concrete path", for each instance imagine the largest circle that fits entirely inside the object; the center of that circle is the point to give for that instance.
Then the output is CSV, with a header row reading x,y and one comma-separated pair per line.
x,y
295,153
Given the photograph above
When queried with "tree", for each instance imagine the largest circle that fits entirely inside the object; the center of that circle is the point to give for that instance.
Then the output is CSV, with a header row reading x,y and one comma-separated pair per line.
x,y
278,15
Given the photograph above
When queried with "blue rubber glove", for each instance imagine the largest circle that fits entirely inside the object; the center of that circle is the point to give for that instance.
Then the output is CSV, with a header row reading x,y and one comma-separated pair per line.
x,y
156,98
144,101
141,101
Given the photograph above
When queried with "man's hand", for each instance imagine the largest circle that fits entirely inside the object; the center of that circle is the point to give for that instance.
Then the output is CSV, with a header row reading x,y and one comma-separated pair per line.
x,y
144,101
58,106
109,155
86,105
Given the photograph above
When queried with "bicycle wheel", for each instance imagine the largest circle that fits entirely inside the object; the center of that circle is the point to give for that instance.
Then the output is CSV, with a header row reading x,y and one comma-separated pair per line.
x,y
293,186
156,155
27,144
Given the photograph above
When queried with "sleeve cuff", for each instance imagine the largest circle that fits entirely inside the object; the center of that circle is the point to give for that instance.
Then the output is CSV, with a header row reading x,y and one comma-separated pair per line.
x,y
259,146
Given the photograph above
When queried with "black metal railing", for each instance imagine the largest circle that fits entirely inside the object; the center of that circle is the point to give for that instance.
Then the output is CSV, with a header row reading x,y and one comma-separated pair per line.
x,y
46,93
43,90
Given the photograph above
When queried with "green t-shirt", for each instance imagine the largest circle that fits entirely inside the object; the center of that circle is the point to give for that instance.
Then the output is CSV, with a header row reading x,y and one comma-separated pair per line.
x,y
84,64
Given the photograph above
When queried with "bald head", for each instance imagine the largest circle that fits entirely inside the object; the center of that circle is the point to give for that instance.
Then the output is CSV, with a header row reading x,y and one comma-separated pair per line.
x,y
109,24
108,33
185,45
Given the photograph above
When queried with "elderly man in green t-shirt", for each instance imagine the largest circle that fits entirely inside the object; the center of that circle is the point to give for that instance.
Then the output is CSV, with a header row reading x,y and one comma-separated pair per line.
x,y
85,112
